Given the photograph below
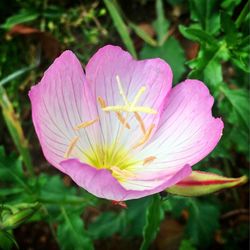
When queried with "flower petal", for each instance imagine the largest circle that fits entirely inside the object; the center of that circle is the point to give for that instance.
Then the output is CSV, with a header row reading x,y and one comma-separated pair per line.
x,y
202,183
187,131
101,73
101,183
60,101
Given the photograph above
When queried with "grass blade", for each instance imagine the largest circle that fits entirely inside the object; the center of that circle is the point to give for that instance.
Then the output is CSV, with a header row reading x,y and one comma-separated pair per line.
x,y
120,26
15,129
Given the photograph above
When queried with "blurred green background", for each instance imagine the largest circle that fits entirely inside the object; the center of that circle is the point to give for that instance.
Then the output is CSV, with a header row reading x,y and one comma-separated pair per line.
x,y
202,39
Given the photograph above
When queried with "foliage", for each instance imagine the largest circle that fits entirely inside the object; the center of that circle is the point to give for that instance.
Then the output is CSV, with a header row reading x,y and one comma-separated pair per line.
x,y
33,33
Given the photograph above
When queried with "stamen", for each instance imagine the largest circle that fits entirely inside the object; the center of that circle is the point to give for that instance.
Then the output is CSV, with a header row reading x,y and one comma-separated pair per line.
x,y
145,138
71,146
122,172
138,95
86,124
101,102
121,90
130,109
139,119
148,160
122,120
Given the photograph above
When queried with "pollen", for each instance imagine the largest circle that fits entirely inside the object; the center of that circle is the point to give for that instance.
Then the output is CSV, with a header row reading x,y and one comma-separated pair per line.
x,y
139,119
86,124
145,137
148,160
71,146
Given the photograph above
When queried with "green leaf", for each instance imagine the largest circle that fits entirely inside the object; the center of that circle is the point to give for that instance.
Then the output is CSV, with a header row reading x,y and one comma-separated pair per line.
x,y
203,221
197,35
136,216
171,52
175,205
52,190
22,17
238,137
186,245
107,224
243,15
120,25
213,74
239,100
7,240
71,233
154,216
161,25
10,166
240,62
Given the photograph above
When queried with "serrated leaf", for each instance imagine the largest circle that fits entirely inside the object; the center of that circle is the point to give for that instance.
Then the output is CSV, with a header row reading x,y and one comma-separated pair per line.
x,y
71,233
203,221
229,27
207,62
171,52
154,215
206,13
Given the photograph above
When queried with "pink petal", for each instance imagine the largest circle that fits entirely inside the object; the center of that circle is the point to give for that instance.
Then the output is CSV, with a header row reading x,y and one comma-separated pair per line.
x,y
101,183
101,73
60,101
187,130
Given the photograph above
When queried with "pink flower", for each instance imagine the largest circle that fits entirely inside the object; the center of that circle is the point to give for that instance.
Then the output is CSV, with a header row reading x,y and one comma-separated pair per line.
x,y
119,130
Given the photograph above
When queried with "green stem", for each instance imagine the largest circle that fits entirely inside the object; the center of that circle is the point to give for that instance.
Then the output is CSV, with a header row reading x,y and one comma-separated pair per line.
x,y
242,15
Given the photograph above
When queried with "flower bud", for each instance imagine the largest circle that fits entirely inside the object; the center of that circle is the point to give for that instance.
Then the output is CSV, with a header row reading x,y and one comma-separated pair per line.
x,y
202,183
